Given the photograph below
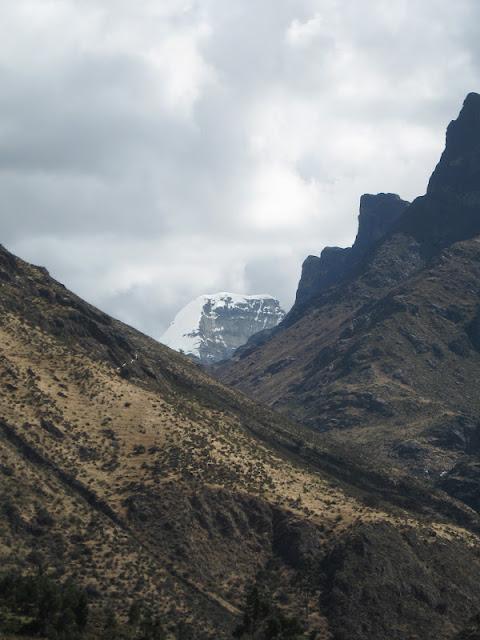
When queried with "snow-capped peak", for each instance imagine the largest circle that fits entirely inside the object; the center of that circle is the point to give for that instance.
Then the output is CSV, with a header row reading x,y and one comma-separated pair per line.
x,y
212,326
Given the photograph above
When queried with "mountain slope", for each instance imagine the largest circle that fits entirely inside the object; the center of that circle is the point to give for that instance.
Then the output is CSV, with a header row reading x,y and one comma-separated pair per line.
x,y
386,361
124,466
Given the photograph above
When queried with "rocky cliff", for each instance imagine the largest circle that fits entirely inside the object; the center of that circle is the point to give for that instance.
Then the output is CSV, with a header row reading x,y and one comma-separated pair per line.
x,y
385,363
212,327
449,211
378,213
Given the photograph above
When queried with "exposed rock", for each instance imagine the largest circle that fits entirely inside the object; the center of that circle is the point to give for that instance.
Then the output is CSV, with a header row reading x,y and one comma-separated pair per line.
x,y
473,330
378,213
318,273
458,171
298,543
460,346
463,483
376,569
379,354
456,433
410,449
449,212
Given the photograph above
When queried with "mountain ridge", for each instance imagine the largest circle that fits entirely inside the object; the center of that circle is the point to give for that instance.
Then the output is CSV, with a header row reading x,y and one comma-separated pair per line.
x,y
378,214
385,360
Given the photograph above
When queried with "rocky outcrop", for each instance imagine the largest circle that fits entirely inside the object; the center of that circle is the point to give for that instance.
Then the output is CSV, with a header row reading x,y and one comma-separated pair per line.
x,y
378,213
378,565
450,210
458,172
385,361
463,482
212,327
319,273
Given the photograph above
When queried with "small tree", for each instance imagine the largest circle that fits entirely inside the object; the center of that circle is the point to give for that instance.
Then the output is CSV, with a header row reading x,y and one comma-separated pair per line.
x,y
263,621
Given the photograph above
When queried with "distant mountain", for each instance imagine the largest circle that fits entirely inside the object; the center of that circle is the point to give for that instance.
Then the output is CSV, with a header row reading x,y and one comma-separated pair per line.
x,y
212,327
384,358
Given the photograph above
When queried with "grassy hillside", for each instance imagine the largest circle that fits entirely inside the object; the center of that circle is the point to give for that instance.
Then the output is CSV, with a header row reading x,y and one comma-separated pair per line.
x,y
127,469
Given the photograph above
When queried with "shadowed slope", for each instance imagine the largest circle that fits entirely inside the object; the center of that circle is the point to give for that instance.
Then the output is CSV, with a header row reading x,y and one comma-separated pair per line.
x,y
386,362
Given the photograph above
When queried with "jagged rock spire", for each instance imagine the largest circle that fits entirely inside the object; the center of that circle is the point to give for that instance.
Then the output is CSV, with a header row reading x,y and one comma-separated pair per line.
x,y
378,214
458,172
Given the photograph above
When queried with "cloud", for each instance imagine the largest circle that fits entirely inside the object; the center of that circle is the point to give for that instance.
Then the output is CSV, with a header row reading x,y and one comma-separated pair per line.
x,y
154,151
301,34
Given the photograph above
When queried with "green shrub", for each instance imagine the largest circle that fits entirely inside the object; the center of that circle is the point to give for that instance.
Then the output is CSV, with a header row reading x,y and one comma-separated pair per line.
x,y
262,620
35,604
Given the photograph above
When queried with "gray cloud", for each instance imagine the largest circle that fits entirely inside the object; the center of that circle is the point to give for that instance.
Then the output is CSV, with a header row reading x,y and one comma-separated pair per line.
x,y
153,151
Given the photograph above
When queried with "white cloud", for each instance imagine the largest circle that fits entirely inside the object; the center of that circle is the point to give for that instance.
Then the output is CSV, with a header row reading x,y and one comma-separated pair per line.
x,y
281,199
152,151
179,69
301,34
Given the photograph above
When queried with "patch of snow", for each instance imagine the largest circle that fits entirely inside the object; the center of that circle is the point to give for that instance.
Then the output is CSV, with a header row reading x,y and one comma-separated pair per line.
x,y
183,333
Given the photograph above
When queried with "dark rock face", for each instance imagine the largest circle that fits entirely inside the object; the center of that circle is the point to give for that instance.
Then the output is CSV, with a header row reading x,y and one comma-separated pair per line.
x,y
319,273
410,449
458,171
397,258
377,568
457,433
378,213
450,211
463,483
296,542
473,331
8,265
385,360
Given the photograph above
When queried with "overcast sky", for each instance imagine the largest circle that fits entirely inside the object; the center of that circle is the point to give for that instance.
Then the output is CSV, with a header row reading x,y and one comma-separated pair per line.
x,y
155,150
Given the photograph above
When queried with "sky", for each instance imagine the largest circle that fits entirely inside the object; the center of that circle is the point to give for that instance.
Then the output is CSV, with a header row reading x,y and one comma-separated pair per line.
x,y
156,150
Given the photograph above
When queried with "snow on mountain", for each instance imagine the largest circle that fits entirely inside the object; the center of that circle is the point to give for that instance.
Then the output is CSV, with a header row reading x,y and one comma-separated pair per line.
x,y
212,326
